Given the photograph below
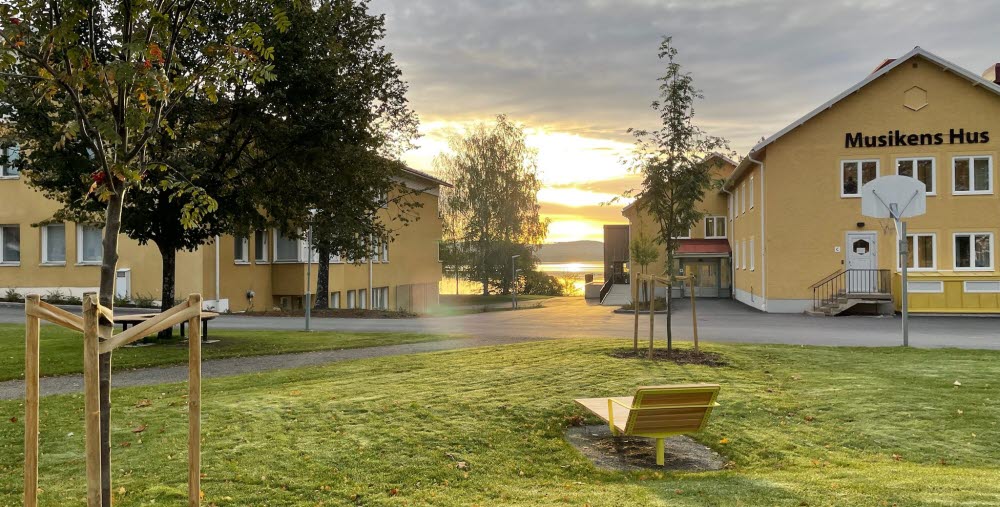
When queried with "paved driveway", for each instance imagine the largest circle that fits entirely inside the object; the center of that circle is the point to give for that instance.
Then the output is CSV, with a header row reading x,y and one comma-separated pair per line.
x,y
718,320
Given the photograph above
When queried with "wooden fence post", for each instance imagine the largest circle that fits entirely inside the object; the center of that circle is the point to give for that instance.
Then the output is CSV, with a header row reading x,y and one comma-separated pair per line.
x,y
92,399
194,402
31,339
694,315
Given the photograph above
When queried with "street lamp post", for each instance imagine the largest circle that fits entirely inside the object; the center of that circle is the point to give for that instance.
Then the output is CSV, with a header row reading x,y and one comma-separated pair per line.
x,y
308,298
513,281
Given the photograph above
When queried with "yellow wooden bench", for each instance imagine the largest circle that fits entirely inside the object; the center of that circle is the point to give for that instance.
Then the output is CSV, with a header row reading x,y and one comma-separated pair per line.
x,y
657,411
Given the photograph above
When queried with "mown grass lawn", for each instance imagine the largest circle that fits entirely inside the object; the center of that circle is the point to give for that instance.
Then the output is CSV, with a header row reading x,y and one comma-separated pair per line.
x,y
61,350
479,299
804,425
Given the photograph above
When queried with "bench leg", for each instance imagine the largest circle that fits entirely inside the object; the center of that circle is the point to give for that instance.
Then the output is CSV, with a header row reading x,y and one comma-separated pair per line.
x,y
659,451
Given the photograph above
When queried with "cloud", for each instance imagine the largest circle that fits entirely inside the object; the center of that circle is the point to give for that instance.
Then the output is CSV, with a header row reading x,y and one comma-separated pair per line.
x,y
579,73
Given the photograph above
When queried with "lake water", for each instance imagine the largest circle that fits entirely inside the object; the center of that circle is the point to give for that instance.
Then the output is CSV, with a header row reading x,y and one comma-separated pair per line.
x,y
566,271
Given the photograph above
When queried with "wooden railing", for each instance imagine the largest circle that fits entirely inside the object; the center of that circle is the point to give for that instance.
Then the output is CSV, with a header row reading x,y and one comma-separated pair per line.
x,y
94,318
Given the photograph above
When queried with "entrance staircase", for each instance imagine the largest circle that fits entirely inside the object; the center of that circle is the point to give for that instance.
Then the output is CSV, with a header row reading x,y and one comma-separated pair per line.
x,y
850,288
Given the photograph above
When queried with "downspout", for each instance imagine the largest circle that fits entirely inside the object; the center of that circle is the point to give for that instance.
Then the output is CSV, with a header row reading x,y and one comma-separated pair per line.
x,y
763,240
218,303
731,237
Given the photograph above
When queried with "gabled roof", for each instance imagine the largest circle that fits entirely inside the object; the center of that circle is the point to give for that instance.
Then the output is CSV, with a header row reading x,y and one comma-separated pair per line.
x,y
425,176
884,68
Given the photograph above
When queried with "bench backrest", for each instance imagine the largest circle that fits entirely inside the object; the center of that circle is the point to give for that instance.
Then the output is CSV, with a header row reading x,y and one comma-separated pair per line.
x,y
671,409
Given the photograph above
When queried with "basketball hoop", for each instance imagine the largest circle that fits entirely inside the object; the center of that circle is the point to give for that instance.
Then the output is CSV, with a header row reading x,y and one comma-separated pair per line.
x,y
896,197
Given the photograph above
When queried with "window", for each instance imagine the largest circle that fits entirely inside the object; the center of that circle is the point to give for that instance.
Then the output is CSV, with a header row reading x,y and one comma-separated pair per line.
x,y
260,246
285,249
10,236
985,286
335,300
743,253
8,161
752,255
751,192
715,227
732,209
88,245
380,298
919,168
240,247
974,251
922,252
336,258
972,175
352,299
376,250
854,174
385,252
686,236
743,198
736,254
363,299
54,244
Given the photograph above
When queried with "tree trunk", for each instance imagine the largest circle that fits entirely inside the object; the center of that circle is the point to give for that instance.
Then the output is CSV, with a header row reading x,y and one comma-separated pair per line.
x,y
109,263
167,285
323,279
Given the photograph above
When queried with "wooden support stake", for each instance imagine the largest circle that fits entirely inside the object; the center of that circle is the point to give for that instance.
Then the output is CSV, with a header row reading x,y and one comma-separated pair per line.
x,y
694,315
652,312
194,402
92,399
635,305
31,339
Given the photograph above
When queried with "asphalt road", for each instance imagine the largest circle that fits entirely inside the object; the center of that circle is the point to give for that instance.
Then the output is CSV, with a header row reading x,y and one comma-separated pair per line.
x,y
718,320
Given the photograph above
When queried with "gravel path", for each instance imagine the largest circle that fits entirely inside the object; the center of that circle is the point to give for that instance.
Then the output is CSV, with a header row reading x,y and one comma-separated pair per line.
x,y
14,389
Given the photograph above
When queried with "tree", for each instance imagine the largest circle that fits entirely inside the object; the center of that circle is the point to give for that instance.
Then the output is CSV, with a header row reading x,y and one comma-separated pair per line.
x,y
672,162
112,73
493,208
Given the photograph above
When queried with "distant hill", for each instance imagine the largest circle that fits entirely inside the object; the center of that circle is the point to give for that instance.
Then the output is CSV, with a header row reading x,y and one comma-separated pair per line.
x,y
571,251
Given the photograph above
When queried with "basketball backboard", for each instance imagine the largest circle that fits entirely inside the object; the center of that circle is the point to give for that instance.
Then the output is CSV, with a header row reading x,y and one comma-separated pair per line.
x,y
894,196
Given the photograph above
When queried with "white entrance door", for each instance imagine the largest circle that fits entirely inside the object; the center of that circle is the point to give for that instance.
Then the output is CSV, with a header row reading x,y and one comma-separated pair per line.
x,y
862,263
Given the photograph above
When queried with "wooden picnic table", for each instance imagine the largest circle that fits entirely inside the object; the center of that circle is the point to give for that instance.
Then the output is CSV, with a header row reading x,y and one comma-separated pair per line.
x,y
133,319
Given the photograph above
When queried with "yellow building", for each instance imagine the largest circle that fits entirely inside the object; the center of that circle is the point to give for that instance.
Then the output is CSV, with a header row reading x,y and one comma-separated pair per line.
x,y
260,272
794,212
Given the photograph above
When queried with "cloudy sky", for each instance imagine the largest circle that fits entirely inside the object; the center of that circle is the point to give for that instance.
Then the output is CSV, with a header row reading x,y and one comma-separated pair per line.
x,y
578,73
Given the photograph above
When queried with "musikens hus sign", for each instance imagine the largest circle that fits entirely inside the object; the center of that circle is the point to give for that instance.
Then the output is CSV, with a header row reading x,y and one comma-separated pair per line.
x,y
898,138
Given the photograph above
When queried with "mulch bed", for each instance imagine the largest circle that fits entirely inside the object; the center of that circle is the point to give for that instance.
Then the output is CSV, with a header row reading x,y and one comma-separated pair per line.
x,y
336,314
628,454
679,356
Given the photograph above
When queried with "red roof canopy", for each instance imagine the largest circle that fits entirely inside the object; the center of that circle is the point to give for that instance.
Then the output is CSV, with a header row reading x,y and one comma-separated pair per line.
x,y
703,247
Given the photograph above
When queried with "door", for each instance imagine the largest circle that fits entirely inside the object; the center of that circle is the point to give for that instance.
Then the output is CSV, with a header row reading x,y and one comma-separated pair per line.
x,y
706,282
862,263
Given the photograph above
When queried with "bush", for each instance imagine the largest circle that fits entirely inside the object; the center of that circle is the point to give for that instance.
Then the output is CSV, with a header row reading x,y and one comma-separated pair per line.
x,y
143,301
12,296
659,304
541,284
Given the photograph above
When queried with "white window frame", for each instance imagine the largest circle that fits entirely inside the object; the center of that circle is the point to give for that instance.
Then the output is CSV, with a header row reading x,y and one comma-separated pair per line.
x,y
262,254
752,254
743,254
972,251
736,254
916,257
352,299
732,206
861,183
79,247
363,299
972,175
45,245
274,250
914,161
714,220
246,250
376,250
751,192
3,166
5,262
912,290
967,290
385,252
743,198
335,300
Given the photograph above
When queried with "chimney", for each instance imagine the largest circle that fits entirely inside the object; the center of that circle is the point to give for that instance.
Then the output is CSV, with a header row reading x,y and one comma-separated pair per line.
x,y
992,73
